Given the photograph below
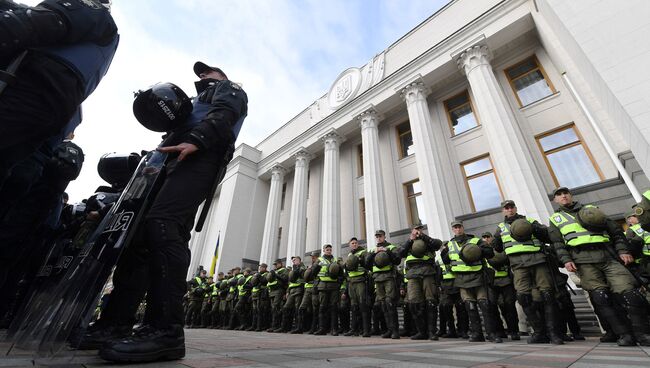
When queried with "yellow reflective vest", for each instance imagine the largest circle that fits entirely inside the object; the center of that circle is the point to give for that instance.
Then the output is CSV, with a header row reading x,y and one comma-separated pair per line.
x,y
573,233
512,246
457,264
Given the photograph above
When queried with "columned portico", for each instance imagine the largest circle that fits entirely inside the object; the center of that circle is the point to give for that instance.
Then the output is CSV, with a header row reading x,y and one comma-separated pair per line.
x,y
509,152
437,209
298,217
331,206
272,214
373,186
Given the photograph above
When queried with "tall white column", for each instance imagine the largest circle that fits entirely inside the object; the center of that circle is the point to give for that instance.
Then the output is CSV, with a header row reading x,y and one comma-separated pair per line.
x,y
331,206
272,215
510,154
437,208
298,216
373,186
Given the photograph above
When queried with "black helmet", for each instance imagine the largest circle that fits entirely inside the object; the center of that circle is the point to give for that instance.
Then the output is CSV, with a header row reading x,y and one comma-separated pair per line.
x,y
162,107
117,169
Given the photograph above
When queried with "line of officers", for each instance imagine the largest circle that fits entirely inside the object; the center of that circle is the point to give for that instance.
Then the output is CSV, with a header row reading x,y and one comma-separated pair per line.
x,y
457,288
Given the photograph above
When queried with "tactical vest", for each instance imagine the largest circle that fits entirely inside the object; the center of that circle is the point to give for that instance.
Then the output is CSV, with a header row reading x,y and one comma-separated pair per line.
x,y
573,233
241,289
360,271
323,274
512,246
201,109
645,235
259,286
446,271
499,272
232,288
88,60
309,285
274,284
457,264
215,290
411,258
299,282
389,247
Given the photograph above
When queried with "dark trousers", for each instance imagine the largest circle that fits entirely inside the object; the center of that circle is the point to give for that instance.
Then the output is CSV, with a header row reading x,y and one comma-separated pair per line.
x,y
159,265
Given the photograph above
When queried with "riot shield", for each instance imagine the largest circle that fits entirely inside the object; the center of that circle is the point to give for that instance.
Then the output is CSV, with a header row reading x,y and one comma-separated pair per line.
x,y
50,318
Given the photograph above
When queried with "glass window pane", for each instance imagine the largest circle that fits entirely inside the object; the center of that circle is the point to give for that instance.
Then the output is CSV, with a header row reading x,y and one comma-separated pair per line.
x,y
532,87
462,119
406,144
478,166
403,128
459,100
558,139
421,219
572,167
485,192
522,68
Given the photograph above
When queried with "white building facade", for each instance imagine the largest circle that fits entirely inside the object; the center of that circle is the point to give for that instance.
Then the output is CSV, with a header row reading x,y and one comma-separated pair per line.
x,y
485,100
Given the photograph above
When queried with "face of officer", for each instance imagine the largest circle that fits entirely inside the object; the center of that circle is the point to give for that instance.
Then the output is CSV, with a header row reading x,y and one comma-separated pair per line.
x,y
278,265
488,239
632,220
296,261
220,276
563,198
211,74
458,230
327,251
236,271
314,259
379,238
509,210
203,274
261,269
354,244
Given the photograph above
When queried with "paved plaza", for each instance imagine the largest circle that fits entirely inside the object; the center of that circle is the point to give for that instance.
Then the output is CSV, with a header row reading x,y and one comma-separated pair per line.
x,y
216,348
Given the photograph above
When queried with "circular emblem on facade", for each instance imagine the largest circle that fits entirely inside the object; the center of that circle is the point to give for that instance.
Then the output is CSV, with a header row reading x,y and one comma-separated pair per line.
x,y
344,88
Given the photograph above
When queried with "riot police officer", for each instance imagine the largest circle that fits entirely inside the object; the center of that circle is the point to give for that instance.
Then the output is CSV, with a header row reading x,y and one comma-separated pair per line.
x,y
277,284
357,285
385,260
328,272
295,291
197,287
243,306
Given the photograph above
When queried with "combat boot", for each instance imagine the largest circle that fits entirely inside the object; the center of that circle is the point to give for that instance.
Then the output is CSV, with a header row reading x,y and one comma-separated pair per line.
x,y
417,311
96,337
393,325
299,320
475,328
354,324
365,320
322,323
432,319
148,344
637,307
488,311
334,321
285,325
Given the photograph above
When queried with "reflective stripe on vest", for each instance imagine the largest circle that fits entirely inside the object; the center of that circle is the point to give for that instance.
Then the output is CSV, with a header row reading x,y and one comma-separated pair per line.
x,y
457,264
645,235
360,271
446,271
275,282
498,273
385,268
241,289
322,273
574,234
412,258
512,246
309,285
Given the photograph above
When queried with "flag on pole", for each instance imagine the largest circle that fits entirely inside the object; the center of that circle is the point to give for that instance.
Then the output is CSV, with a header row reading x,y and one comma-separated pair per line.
x,y
215,256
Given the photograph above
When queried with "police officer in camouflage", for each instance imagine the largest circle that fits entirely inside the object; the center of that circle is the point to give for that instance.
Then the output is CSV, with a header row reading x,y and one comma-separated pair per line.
x,y
423,292
295,291
384,261
197,287
328,271
309,305
277,283
243,306
593,246
358,289
259,299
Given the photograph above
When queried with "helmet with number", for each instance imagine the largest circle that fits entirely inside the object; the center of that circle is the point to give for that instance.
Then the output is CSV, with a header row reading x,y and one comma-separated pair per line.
x,y
521,230
352,263
592,218
500,259
162,107
382,259
334,269
419,248
117,169
471,252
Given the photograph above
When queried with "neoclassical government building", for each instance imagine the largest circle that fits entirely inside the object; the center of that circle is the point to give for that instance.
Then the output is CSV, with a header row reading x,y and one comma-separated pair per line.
x,y
485,100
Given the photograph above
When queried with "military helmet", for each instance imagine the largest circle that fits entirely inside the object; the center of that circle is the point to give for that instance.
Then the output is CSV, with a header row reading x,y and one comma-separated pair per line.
x,y
270,276
352,263
334,269
500,259
592,218
255,280
162,107
382,259
117,169
309,274
521,230
419,248
471,252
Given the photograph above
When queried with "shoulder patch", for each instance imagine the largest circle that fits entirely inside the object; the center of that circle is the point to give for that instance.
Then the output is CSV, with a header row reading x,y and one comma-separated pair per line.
x,y
557,218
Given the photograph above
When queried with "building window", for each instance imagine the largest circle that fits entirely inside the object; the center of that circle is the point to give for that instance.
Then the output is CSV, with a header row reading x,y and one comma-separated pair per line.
x,y
284,196
569,161
362,217
359,160
460,113
405,139
529,81
415,203
482,184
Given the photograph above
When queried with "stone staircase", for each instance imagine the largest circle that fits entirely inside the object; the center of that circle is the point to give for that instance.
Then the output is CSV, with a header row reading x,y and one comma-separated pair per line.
x,y
585,314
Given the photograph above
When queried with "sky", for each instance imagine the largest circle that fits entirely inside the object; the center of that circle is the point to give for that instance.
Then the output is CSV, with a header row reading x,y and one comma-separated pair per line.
x,y
285,53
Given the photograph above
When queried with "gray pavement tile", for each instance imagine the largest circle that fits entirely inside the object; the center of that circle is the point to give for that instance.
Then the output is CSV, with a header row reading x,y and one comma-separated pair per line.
x,y
593,365
466,358
617,358
417,365
15,362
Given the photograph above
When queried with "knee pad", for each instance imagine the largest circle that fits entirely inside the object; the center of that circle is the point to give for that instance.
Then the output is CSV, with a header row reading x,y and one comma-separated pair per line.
x,y
601,297
547,296
525,300
634,298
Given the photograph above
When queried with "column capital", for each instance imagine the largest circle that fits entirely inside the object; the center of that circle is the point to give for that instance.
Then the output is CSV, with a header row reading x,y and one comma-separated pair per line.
x,y
472,57
302,156
369,118
414,91
277,171
332,139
